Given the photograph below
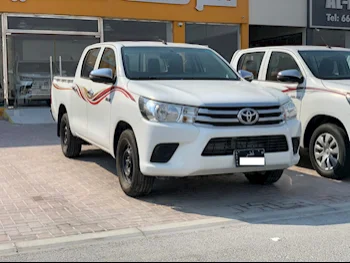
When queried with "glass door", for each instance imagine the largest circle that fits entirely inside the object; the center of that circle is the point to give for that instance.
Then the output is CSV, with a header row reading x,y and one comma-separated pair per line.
x,y
34,59
2,90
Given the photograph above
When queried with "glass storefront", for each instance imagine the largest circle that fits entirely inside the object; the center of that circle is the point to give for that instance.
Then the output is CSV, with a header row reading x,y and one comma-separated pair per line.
x,y
34,59
126,30
2,90
335,38
222,38
39,48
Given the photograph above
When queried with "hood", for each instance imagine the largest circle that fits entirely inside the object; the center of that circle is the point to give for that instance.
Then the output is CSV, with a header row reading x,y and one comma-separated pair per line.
x,y
206,92
342,85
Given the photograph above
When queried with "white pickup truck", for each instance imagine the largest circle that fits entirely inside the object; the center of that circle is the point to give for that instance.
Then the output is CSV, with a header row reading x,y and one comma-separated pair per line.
x,y
318,81
165,109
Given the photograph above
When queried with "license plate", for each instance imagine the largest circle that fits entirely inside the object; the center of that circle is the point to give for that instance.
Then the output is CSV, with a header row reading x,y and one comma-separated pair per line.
x,y
252,158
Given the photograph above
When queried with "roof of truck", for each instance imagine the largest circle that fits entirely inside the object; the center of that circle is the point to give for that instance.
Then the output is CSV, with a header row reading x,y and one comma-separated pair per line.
x,y
296,48
150,44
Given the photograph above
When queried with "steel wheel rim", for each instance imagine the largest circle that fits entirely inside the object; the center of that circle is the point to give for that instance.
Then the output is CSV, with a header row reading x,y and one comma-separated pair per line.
x,y
326,152
65,135
127,164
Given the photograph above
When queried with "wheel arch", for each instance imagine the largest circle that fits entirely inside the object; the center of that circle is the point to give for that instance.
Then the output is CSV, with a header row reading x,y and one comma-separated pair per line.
x,y
120,127
316,122
61,111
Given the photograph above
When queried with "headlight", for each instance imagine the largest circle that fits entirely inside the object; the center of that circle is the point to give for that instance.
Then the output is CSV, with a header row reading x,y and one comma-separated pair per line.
x,y
289,110
163,112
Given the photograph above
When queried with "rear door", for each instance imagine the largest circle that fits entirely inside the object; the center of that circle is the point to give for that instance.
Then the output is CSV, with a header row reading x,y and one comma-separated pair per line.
x,y
80,98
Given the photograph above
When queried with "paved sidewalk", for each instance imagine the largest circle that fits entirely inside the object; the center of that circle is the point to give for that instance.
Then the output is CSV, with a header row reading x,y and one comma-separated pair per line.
x,y
44,195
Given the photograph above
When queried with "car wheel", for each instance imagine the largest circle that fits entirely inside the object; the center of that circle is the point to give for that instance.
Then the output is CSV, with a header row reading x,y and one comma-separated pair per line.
x,y
71,145
132,181
329,151
268,177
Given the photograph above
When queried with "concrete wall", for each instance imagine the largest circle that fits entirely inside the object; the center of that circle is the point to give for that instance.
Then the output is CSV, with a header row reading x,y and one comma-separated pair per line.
x,y
278,12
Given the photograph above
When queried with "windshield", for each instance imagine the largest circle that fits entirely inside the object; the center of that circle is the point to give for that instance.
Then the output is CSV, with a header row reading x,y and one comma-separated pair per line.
x,y
174,63
330,64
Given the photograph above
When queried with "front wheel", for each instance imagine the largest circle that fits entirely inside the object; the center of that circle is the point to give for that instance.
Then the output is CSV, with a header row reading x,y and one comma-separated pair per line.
x,y
71,145
329,151
268,177
132,181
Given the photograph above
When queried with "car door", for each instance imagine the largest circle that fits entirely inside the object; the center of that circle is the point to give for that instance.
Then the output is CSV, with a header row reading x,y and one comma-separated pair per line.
x,y
99,108
78,114
276,62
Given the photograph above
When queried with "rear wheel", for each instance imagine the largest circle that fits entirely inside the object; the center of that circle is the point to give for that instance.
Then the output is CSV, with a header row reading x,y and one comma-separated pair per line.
x,y
71,145
329,151
132,181
268,177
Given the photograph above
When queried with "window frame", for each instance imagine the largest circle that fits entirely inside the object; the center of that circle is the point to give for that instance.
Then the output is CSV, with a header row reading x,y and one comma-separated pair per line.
x,y
243,56
268,60
85,58
102,52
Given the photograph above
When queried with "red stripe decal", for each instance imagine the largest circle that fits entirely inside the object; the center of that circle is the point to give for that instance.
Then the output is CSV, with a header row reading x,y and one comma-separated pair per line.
x,y
290,89
59,88
100,96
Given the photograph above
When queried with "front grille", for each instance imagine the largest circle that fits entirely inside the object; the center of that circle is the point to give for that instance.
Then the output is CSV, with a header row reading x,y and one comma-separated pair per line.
x,y
228,116
226,146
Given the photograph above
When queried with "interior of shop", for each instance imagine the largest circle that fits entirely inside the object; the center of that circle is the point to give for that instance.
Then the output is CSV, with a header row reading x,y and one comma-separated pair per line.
x,y
222,38
261,36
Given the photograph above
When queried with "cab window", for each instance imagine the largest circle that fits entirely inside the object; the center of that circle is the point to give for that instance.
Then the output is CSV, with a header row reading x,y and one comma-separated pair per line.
x,y
251,62
108,60
280,61
89,62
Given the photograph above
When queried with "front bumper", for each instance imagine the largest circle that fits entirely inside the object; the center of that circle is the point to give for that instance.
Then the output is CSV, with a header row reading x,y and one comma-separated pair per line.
x,y
187,159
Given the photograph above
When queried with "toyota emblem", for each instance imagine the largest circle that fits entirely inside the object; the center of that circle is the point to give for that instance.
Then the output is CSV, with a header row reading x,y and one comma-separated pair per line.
x,y
248,116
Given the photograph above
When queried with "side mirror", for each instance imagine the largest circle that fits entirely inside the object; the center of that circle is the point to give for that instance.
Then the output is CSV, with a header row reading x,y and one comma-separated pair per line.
x,y
292,76
248,76
103,75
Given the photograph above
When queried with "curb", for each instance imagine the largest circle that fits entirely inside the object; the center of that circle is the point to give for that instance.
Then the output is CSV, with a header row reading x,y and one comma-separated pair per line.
x,y
123,234
158,230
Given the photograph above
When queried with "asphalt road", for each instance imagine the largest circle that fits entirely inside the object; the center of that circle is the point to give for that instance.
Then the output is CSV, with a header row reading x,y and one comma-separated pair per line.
x,y
317,238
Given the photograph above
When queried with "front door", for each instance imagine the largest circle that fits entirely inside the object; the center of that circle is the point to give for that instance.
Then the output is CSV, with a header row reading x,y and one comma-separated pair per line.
x,y
99,106
278,62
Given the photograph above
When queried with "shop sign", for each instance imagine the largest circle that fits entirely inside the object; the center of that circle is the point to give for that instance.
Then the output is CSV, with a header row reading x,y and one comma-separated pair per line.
x,y
333,14
200,3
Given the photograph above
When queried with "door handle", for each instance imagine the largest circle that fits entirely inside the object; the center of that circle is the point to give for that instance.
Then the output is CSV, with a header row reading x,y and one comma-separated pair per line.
x,y
90,92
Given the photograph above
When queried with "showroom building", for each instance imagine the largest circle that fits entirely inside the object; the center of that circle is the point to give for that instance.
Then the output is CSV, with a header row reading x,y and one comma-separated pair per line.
x,y
41,38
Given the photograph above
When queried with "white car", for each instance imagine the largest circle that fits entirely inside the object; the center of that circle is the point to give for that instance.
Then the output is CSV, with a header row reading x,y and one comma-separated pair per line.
x,y
318,81
164,109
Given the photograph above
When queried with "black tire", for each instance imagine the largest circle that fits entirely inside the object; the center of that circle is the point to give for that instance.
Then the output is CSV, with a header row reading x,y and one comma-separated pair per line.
x,y
132,181
264,178
341,169
71,145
